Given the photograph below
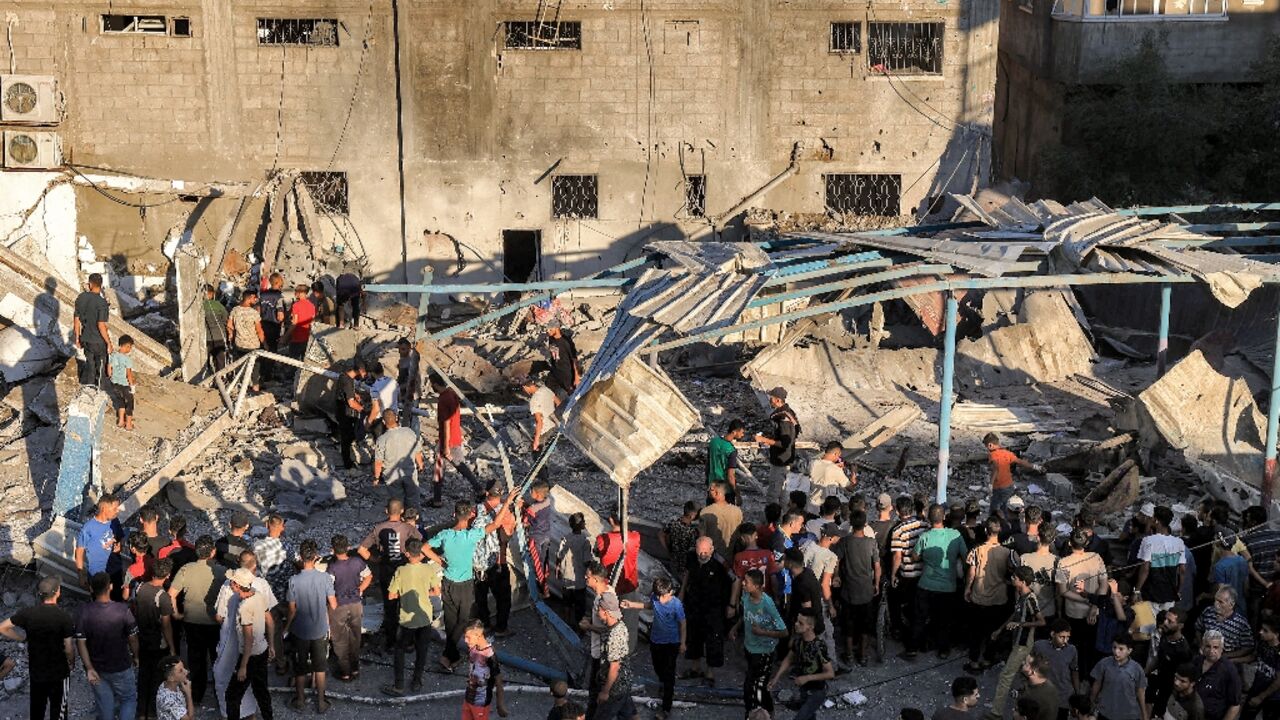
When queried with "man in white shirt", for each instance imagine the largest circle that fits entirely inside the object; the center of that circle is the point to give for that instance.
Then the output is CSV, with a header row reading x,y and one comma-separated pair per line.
x,y
827,477
542,406
384,392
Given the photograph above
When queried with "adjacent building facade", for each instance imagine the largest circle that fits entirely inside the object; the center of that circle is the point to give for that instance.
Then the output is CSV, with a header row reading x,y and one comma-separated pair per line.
x,y
1048,47
523,139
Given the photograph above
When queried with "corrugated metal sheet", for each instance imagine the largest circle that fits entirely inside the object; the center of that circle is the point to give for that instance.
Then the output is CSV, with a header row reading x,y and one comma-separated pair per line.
x,y
626,423
991,259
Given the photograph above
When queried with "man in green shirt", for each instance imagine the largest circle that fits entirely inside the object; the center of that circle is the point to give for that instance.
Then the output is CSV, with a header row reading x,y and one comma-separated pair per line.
x,y
941,552
215,323
722,460
414,584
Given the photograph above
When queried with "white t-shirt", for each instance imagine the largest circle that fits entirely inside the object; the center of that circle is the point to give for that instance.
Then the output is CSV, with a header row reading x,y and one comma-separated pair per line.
x,y
543,402
825,480
387,390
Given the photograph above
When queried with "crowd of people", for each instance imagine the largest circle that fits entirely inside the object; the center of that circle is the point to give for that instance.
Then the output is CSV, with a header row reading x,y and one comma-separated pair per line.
x,y
1175,619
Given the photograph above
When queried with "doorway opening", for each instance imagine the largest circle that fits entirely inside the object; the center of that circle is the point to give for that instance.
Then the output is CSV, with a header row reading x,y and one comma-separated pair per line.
x,y
521,256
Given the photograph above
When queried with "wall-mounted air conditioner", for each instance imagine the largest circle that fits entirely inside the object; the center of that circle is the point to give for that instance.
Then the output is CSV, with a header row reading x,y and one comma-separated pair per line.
x,y
31,150
29,99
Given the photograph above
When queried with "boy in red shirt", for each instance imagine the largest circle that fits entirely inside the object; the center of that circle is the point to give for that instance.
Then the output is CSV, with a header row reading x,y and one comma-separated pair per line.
x,y
1002,461
301,314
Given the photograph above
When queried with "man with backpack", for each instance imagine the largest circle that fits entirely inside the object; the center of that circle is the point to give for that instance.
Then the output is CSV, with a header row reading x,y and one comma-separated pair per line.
x,y
784,428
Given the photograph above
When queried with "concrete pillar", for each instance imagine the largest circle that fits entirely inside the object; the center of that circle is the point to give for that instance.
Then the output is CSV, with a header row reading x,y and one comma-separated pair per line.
x,y
946,398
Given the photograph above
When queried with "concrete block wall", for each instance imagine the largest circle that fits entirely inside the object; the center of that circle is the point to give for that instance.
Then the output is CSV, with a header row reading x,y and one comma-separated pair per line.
x,y
727,87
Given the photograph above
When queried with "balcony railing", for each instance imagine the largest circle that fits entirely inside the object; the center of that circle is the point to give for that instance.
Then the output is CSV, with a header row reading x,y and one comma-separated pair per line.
x,y
1139,10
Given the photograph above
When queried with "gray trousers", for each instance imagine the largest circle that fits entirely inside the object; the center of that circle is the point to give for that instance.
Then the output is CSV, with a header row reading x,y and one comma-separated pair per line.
x,y
777,480
344,629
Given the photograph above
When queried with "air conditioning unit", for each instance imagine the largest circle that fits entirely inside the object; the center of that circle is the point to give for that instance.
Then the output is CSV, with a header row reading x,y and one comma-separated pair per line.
x,y
29,99
31,150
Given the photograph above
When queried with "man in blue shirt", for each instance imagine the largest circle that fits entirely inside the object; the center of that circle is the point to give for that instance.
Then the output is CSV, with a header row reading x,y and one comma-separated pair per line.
x,y
457,546
98,545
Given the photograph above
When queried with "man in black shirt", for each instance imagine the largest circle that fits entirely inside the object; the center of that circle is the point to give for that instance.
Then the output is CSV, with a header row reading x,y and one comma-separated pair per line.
x,y
781,441
806,591
230,546
271,305
92,336
153,612
705,593
47,630
349,411
350,291
563,356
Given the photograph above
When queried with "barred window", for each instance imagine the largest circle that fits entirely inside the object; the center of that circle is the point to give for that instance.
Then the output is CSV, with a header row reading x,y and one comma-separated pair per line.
x,y
575,196
135,24
862,194
846,37
695,195
298,31
542,35
329,190
913,48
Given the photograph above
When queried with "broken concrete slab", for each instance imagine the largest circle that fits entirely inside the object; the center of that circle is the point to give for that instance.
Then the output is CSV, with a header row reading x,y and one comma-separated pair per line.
x,y
1059,486
192,334
1211,419
462,364
1117,491
302,488
329,347
1046,344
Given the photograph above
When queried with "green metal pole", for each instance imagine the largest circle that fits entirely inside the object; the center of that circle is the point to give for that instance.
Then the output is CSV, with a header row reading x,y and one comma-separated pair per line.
x,y
1273,428
1162,346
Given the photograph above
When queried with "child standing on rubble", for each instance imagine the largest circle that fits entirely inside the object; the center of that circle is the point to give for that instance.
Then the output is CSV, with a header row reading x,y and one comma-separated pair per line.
x,y
120,365
1002,461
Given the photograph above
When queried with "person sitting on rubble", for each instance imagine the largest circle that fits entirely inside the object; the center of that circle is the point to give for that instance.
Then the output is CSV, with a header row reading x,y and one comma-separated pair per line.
x,y
215,328
1002,461
245,332
123,381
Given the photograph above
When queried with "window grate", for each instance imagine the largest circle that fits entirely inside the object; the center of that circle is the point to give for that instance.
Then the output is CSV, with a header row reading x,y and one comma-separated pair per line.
x,y
695,196
913,48
322,32
575,196
329,190
545,35
863,194
135,24
846,37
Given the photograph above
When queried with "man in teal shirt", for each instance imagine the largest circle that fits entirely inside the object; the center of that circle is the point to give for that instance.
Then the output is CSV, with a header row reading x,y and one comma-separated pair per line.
x,y
941,551
457,546
722,460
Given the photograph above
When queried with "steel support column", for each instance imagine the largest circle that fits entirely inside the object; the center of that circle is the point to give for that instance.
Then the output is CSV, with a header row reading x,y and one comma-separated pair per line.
x,y
1273,425
1162,345
946,398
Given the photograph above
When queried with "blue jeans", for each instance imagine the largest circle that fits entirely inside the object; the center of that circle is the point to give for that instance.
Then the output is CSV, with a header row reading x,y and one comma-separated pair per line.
x,y
116,695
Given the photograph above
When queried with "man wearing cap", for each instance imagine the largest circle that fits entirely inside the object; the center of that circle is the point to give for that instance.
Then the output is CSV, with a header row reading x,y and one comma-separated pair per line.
x,y
254,619
397,458
883,524
781,441
47,630
563,356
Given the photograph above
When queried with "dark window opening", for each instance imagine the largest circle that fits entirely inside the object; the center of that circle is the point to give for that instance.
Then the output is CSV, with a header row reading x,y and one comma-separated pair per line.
x,y
857,194
542,35
298,31
575,196
329,191
521,255
180,27
136,24
912,48
846,37
695,195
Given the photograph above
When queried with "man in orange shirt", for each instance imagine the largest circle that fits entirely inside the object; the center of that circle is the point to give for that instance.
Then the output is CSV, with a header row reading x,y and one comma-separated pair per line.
x,y
1002,462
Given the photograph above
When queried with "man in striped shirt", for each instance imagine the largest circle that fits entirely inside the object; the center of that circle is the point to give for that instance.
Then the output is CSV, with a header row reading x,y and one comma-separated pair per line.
x,y
905,570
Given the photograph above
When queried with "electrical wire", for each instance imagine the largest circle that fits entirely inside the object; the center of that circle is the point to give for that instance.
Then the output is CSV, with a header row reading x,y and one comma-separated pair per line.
x,y
649,115
355,90
275,163
121,201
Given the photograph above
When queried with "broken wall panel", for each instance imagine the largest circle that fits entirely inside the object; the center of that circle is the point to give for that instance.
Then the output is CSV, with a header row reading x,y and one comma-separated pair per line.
x,y
192,333
627,422
1046,344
